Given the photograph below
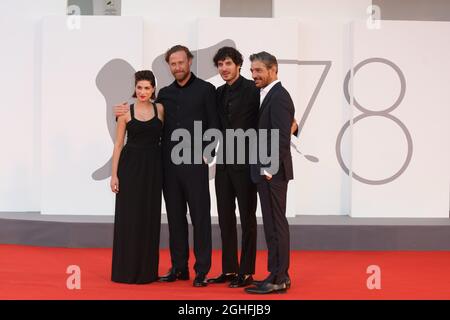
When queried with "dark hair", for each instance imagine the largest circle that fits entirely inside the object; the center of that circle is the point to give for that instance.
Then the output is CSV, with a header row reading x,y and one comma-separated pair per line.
x,y
177,48
266,58
228,52
145,75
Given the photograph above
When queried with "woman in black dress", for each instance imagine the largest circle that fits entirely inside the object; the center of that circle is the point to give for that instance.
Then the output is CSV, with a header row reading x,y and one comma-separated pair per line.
x,y
137,181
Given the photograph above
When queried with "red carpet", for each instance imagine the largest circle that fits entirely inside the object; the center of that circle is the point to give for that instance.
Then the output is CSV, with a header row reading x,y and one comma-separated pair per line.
x,y
40,273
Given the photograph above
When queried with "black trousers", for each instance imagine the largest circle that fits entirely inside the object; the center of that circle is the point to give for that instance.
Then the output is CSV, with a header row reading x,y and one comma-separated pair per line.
x,y
188,185
231,184
272,195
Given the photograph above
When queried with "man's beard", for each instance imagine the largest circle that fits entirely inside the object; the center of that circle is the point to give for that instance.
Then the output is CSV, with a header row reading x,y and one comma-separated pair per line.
x,y
181,76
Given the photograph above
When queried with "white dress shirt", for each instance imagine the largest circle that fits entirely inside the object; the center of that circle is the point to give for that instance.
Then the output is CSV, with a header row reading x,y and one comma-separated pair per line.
x,y
264,91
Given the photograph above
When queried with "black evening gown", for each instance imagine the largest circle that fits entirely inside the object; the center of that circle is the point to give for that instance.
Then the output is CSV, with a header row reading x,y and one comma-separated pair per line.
x,y
138,204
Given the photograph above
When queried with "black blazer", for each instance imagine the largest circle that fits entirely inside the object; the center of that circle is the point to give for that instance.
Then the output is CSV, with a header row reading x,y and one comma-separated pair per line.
x,y
242,115
276,112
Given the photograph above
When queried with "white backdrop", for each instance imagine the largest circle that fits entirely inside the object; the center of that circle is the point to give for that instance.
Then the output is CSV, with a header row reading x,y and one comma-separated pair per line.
x,y
321,188
421,51
74,144
19,91
75,137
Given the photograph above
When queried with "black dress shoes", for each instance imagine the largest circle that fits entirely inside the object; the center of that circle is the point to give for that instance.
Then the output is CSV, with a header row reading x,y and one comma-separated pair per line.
x,y
200,280
224,277
287,282
266,288
241,280
175,275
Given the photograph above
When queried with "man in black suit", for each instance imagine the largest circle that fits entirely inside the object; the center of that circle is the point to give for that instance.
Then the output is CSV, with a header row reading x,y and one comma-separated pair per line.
x,y
276,112
238,104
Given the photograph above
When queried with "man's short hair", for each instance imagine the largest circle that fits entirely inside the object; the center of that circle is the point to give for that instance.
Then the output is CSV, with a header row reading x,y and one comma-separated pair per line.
x,y
266,58
228,52
177,48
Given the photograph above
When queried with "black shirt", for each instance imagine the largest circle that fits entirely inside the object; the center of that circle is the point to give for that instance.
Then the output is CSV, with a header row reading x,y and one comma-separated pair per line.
x,y
195,101
238,109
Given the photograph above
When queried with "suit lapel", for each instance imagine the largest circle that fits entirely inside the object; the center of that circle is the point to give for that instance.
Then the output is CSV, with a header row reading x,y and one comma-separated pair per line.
x,y
268,97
